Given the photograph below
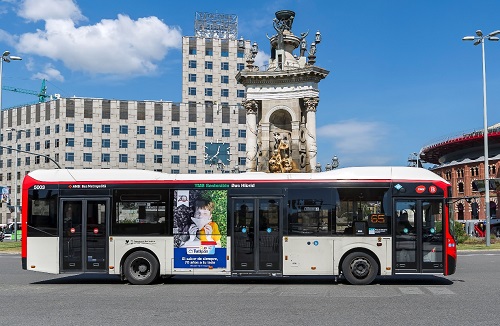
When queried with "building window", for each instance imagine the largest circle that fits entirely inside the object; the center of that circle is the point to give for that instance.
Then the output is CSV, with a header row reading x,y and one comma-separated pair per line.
x,y
192,146
56,143
158,144
209,78
176,131
37,132
209,132
226,113
192,159
208,92
123,158
209,65
240,54
105,143
224,92
105,157
176,145
192,172
158,158
158,112
192,131
242,161
141,158
70,127
141,143
192,90
192,63
174,171
70,157
240,93
192,51
47,144
141,111
47,130
242,147
176,112
460,187
240,66
224,53
87,157
226,132
106,129
87,127
158,130
192,77
224,79
209,52
70,142
87,142
124,129
123,143
192,114
175,159
141,130
224,66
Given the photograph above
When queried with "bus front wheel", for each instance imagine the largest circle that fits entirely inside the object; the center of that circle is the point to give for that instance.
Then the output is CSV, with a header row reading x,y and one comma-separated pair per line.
x,y
141,268
359,268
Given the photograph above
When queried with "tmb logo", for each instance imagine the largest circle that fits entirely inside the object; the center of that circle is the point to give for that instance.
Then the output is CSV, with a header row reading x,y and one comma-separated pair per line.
x,y
420,189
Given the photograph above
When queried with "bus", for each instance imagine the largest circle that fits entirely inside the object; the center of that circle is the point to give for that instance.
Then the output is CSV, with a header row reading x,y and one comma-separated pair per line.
x,y
356,223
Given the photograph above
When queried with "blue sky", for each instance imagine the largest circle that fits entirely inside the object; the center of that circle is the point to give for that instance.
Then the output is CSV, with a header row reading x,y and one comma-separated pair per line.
x,y
400,76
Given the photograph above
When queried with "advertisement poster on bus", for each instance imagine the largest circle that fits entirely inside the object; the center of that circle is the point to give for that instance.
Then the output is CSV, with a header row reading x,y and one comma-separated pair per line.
x,y
200,228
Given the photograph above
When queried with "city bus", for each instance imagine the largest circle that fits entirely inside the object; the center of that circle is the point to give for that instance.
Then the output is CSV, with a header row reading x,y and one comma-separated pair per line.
x,y
355,223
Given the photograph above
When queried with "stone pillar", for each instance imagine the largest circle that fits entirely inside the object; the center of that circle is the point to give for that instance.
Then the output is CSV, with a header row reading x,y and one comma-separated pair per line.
x,y
311,104
251,107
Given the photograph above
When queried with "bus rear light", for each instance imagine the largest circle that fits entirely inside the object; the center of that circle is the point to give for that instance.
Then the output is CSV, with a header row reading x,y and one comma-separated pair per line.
x,y
227,257
111,267
379,244
388,268
210,267
313,268
32,266
286,257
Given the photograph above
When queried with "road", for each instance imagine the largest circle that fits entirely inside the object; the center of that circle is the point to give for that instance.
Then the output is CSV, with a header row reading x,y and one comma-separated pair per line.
x,y
470,297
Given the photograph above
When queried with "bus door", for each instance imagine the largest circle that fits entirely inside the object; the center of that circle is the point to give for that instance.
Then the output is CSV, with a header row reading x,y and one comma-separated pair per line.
x,y
256,236
418,236
84,234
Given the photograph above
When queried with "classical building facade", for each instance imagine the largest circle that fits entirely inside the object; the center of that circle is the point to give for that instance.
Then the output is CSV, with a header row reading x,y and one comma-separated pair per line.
x,y
460,160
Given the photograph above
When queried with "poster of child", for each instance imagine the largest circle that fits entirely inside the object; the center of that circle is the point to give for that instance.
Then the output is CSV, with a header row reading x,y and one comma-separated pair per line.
x,y
194,220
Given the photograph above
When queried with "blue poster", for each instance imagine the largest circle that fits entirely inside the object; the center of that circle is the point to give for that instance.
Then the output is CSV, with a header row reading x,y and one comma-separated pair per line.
x,y
200,229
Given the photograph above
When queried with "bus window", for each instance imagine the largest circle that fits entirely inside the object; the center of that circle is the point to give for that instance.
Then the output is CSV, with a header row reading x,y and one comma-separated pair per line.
x,y
42,214
361,212
139,212
310,211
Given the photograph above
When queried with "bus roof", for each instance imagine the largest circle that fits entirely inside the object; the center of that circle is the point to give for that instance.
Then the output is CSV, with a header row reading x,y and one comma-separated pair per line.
x,y
375,173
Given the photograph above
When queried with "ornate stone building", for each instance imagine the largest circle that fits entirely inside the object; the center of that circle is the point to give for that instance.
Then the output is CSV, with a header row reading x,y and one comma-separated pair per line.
x,y
281,101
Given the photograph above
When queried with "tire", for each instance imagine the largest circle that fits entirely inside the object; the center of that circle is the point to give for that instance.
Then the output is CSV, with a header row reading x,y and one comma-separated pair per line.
x,y
141,268
359,268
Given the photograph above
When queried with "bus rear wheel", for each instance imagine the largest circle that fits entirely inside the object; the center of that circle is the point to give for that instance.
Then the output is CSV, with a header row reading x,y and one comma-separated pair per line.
x,y
141,268
359,268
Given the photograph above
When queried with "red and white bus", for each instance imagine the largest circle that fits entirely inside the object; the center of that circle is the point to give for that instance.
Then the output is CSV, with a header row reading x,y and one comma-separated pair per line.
x,y
140,225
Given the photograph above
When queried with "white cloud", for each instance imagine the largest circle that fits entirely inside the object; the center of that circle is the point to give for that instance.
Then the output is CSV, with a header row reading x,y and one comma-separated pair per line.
x,y
49,73
262,59
35,10
356,142
118,47
7,38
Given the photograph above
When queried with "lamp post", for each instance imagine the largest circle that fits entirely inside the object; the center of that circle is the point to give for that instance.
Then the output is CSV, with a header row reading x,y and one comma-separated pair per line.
x,y
16,210
7,58
479,39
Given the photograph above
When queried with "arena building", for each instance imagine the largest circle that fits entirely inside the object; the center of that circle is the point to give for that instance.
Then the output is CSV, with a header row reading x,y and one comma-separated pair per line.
x,y
460,160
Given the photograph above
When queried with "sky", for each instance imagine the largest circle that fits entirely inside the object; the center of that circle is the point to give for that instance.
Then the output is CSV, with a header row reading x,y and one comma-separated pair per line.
x,y
401,78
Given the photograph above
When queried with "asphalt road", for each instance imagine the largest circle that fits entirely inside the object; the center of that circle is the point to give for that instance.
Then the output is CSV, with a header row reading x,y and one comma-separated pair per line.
x,y
470,297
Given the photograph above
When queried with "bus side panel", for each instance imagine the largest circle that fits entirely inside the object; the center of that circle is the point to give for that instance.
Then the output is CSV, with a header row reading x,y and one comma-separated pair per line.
x,y
125,245
307,256
379,247
43,254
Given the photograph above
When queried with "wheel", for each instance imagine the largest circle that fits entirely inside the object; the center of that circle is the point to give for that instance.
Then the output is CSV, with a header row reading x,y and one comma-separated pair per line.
x,y
359,268
141,268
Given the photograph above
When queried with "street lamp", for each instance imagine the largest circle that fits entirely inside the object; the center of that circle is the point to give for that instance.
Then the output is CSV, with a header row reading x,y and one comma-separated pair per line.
x,y
479,39
16,210
7,58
